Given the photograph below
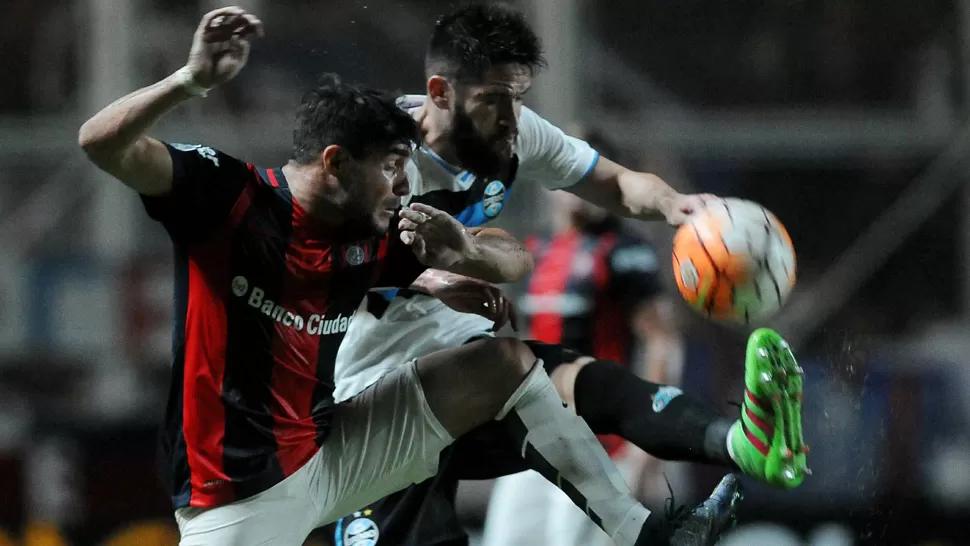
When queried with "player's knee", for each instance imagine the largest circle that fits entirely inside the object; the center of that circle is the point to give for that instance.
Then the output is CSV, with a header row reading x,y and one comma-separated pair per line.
x,y
513,358
564,378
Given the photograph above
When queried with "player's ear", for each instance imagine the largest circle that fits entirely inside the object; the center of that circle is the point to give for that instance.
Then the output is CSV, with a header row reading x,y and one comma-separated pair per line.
x,y
334,158
440,91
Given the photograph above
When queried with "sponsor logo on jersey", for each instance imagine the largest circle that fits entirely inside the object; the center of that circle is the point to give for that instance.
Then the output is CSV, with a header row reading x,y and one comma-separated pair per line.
x,y
315,324
663,396
494,200
204,151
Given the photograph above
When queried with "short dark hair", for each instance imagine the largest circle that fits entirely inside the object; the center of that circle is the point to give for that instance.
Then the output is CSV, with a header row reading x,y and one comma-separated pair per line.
x,y
360,119
467,42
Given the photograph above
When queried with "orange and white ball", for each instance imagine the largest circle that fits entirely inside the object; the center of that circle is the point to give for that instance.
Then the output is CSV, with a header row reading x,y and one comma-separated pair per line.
x,y
734,261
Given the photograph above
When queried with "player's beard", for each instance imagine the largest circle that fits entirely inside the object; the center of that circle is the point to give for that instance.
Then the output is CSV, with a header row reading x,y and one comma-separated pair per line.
x,y
476,153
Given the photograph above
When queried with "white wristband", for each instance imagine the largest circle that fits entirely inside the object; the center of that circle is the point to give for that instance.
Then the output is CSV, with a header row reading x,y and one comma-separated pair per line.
x,y
187,81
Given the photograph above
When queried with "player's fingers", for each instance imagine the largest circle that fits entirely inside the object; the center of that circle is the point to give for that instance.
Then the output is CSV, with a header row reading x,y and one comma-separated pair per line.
x,y
219,18
419,247
406,224
513,317
414,216
427,210
222,28
228,10
255,24
407,237
501,315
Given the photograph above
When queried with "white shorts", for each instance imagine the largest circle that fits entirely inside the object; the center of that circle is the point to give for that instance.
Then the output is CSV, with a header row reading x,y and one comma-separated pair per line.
x,y
525,508
409,328
383,440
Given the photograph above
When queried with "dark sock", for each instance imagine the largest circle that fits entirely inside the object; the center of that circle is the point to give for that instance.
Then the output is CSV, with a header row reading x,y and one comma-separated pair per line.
x,y
674,427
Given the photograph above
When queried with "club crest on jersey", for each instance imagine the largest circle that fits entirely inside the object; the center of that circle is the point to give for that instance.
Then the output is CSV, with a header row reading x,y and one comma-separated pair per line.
x,y
240,285
494,199
361,532
354,255
663,396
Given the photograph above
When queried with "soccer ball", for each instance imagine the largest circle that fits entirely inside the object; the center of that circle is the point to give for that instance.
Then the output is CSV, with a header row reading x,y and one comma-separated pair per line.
x,y
734,261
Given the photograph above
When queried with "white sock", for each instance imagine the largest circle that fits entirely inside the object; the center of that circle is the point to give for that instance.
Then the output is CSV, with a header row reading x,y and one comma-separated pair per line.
x,y
730,448
561,446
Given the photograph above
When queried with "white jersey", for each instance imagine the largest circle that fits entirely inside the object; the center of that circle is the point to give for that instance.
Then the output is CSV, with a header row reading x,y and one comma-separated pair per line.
x,y
388,330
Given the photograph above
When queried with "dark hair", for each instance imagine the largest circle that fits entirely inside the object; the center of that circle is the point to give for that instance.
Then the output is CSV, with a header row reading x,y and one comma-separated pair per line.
x,y
359,119
467,42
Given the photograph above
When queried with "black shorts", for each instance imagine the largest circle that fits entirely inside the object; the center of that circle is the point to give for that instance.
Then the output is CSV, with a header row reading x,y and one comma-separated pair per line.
x,y
424,514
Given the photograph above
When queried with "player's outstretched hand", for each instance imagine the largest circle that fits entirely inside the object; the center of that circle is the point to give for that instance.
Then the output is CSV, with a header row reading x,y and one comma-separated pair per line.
x,y
468,295
685,205
220,46
437,239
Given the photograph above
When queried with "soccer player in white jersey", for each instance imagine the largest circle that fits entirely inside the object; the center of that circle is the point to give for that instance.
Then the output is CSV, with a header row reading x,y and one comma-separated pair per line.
x,y
480,143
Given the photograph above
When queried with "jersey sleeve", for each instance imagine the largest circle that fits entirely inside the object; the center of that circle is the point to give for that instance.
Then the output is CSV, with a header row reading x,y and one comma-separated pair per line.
x,y
634,277
550,156
206,184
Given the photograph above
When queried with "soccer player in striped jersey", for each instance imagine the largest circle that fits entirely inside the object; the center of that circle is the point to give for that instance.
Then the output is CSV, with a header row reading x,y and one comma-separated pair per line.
x,y
479,144
271,266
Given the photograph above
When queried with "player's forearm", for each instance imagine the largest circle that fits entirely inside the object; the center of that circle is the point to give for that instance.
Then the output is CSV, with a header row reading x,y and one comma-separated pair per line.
x,y
643,196
433,280
116,129
495,257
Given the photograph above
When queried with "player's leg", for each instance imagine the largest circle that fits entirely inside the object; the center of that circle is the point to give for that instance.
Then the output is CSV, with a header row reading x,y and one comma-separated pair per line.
x,y
282,514
552,439
658,419
423,514
500,379
413,411
520,512
667,424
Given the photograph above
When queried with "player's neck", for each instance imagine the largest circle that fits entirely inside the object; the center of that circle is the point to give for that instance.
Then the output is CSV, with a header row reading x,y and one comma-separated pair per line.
x,y
434,134
320,197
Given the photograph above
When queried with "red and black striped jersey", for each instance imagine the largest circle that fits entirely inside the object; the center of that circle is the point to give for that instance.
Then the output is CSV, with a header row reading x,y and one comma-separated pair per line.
x,y
263,298
584,289
585,286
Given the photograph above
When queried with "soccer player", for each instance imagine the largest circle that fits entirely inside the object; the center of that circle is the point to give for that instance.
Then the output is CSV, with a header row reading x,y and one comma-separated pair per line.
x,y
595,290
271,265
479,142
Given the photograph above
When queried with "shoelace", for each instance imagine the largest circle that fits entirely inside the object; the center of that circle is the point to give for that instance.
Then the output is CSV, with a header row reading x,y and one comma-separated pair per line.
x,y
673,513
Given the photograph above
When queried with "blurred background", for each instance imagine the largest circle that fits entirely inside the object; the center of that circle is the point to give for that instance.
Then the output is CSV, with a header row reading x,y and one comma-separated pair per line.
x,y
845,118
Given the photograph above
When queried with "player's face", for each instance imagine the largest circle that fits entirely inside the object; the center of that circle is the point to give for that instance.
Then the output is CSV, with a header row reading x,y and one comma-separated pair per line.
x,y
376,186
486,119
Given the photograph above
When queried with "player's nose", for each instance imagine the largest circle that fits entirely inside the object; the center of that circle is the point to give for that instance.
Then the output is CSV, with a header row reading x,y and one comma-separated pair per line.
x,y
402,186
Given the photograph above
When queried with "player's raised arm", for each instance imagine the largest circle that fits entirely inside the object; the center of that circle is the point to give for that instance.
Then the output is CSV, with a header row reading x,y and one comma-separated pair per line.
x,y
114,139
441,242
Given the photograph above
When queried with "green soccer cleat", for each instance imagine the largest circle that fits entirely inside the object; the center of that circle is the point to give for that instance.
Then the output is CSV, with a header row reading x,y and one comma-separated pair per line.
x,y
766,442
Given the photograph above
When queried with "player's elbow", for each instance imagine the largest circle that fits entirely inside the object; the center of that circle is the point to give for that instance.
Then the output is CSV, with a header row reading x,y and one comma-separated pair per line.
x,y
92,141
